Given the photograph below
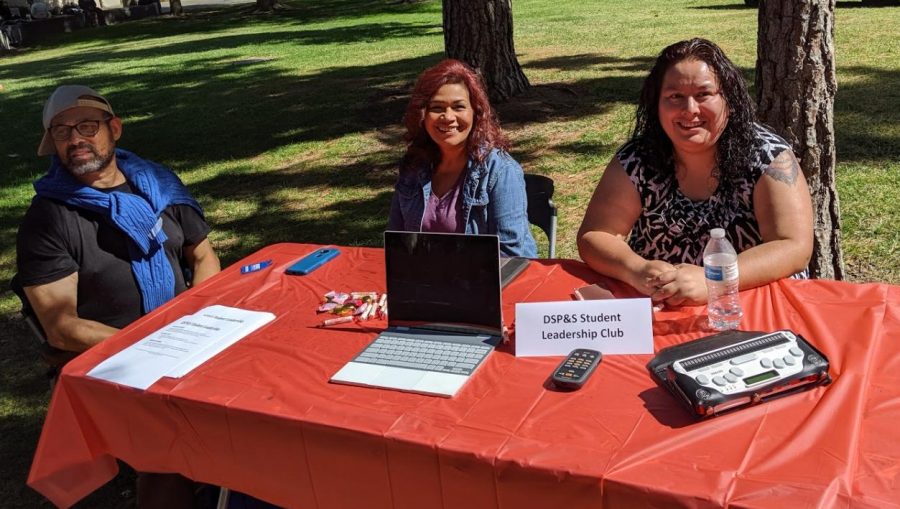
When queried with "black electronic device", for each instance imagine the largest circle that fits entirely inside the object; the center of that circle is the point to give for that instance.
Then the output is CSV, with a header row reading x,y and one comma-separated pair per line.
x,y
510,268
576,368
443,280
312,261
734,369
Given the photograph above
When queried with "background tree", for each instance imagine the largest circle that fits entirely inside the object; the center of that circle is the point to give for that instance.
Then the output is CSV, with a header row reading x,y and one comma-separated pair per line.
x,y
175,8
480,33
266,5
795,87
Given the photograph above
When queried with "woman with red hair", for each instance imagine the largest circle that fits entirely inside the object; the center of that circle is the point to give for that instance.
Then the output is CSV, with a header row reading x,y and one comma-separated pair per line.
x,y
456,175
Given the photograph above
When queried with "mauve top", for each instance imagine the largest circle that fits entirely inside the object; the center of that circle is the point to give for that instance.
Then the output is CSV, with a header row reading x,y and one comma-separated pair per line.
x,y
442,214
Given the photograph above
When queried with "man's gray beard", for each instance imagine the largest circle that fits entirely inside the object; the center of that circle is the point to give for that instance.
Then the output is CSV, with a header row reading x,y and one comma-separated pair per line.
x,y
97,163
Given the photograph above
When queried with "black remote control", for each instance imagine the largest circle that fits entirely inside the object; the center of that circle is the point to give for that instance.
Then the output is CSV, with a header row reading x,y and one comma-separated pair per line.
x,y
576,368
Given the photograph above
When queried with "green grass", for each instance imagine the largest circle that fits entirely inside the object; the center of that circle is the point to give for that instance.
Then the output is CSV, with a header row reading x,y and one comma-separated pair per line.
x,y
286,127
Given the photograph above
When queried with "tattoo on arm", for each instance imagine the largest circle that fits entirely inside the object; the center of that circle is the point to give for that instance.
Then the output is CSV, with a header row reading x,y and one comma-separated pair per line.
x,y
784,168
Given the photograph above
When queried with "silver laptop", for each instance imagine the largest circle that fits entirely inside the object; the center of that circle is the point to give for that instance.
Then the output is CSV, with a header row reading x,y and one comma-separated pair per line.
x,y
444,314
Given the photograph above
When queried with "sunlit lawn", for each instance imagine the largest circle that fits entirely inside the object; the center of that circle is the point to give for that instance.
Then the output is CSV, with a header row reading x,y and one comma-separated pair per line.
x,y
286,126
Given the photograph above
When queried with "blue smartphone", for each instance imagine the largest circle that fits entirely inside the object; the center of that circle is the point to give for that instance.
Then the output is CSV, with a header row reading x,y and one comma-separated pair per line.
x,y
312,261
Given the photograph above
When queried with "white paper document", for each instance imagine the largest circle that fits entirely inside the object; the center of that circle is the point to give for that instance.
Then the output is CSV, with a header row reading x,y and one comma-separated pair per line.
x,y
180,346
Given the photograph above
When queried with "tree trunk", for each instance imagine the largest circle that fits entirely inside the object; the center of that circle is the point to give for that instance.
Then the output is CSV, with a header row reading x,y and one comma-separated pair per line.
x,y
795,87
175,8
266,5
480,33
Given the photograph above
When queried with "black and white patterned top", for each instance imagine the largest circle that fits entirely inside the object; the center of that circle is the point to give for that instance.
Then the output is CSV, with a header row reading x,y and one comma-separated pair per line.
x,y
674,228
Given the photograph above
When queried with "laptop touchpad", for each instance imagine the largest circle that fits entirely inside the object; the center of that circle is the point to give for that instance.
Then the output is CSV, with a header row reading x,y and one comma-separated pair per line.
x,y
441,383
398,378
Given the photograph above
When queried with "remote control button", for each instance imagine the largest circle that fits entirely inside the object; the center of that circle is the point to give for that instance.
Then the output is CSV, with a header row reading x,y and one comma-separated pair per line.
x,y
702,379
796,352
778,363
736,371
766,363
789,360
731,378
718,380
575,369
743,358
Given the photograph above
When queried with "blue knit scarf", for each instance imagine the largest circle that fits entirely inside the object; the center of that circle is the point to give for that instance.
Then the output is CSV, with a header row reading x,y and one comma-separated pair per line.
x,y
137,215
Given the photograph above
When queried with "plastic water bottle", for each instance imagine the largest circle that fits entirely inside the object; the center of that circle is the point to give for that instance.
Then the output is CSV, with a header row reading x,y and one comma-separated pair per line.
x,y
721,268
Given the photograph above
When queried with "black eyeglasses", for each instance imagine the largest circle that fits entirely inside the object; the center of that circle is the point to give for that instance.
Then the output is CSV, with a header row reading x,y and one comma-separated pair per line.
x,y
86,128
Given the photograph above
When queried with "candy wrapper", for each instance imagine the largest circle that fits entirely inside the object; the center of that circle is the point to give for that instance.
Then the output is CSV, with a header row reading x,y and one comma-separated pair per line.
x,y
355,306
335,297
327,307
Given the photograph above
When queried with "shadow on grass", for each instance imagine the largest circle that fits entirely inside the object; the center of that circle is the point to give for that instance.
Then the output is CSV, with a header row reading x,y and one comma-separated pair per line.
x,y
73,65
725,7
580,61
316,219
196,110
25,392
211,109
361,222
222,18
864,5
562,101
865,115
839,5
207,110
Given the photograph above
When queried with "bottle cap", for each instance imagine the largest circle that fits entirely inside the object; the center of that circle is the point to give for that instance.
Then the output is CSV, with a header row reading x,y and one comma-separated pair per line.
x,y
717,233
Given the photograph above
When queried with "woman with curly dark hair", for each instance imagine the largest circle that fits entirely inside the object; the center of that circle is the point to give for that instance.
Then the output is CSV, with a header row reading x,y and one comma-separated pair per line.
x,y
697,160
456,175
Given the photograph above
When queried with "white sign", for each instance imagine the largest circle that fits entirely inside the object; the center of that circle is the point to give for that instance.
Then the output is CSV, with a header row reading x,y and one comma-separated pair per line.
x,y
619,326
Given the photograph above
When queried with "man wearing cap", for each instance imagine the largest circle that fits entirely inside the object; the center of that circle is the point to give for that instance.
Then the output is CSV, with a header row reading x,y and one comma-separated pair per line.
x,y
107,235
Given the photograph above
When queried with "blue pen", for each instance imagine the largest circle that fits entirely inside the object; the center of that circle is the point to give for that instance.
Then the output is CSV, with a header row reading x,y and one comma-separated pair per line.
x,y
253,267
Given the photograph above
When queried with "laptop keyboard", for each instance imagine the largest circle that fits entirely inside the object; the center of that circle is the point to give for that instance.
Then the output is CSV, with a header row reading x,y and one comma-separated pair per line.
x,y
424,354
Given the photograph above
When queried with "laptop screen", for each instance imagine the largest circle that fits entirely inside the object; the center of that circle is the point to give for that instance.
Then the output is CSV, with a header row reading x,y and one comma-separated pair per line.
x,y
443,278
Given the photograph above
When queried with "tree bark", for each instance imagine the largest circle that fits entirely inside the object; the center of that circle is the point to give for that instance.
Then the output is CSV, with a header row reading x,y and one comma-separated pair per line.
x,y
266,5
175,8
480,33
795,88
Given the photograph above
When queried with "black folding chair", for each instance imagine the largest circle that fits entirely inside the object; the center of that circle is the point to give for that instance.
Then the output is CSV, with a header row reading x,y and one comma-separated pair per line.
x,y
541,209
52,356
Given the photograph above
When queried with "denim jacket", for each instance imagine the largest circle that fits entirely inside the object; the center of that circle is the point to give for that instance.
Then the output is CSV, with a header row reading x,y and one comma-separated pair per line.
x,y
493,202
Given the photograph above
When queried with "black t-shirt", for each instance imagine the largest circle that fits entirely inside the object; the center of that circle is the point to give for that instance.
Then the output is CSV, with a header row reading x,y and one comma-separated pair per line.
x,y
56,239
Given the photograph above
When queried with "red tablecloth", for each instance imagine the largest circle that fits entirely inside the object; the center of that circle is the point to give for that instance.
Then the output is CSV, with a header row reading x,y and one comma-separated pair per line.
x,y
262,418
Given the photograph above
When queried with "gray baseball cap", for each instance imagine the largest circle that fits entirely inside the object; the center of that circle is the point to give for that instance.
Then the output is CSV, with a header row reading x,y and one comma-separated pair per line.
x,y
64,98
